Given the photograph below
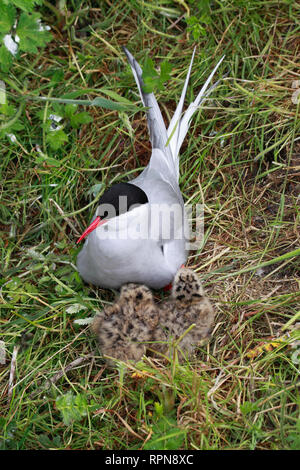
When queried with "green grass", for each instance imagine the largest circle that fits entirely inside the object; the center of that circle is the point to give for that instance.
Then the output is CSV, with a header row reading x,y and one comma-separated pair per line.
x,y
240,158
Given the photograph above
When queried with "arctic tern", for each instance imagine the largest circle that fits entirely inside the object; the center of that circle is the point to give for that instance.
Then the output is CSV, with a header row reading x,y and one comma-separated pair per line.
x,y
140,231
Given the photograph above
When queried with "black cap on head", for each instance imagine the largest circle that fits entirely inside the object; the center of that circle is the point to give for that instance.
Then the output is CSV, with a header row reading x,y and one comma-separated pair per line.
x,y
122,196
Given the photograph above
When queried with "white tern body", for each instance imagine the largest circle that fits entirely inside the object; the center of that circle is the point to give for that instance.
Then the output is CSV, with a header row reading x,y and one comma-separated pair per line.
x,y
110,256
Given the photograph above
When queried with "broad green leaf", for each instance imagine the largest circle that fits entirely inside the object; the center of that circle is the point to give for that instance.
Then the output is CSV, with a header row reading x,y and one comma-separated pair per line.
x,y
70,110
7,110
195,27
56,139
248,407
28,30
165,70
153,80
7,17
73,408
149,70
80,118
5,59
26,5
103,102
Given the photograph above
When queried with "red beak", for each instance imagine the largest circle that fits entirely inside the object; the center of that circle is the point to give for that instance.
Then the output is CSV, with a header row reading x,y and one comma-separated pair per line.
x,y
91,227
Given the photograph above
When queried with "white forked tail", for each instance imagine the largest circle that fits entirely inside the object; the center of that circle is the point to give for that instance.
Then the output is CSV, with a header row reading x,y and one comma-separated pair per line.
x,y
180,123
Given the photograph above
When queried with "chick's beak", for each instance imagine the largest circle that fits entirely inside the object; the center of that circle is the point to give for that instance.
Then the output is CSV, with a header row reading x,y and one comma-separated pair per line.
x,y
91,227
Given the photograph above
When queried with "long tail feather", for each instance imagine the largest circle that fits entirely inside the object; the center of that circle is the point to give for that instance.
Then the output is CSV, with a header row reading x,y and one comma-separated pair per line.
x,y
156,125
179,124
202,95
174,126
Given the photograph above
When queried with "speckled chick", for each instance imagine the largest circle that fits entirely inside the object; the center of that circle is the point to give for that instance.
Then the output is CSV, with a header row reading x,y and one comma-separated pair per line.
x,y
187,305
124,327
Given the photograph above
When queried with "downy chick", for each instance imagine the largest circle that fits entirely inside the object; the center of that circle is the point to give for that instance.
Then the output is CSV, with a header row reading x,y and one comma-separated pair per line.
x,y
124,327
188,305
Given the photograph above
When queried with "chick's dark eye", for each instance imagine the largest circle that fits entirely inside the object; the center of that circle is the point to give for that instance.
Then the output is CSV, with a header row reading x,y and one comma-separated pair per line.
x,y
105,214
139,296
